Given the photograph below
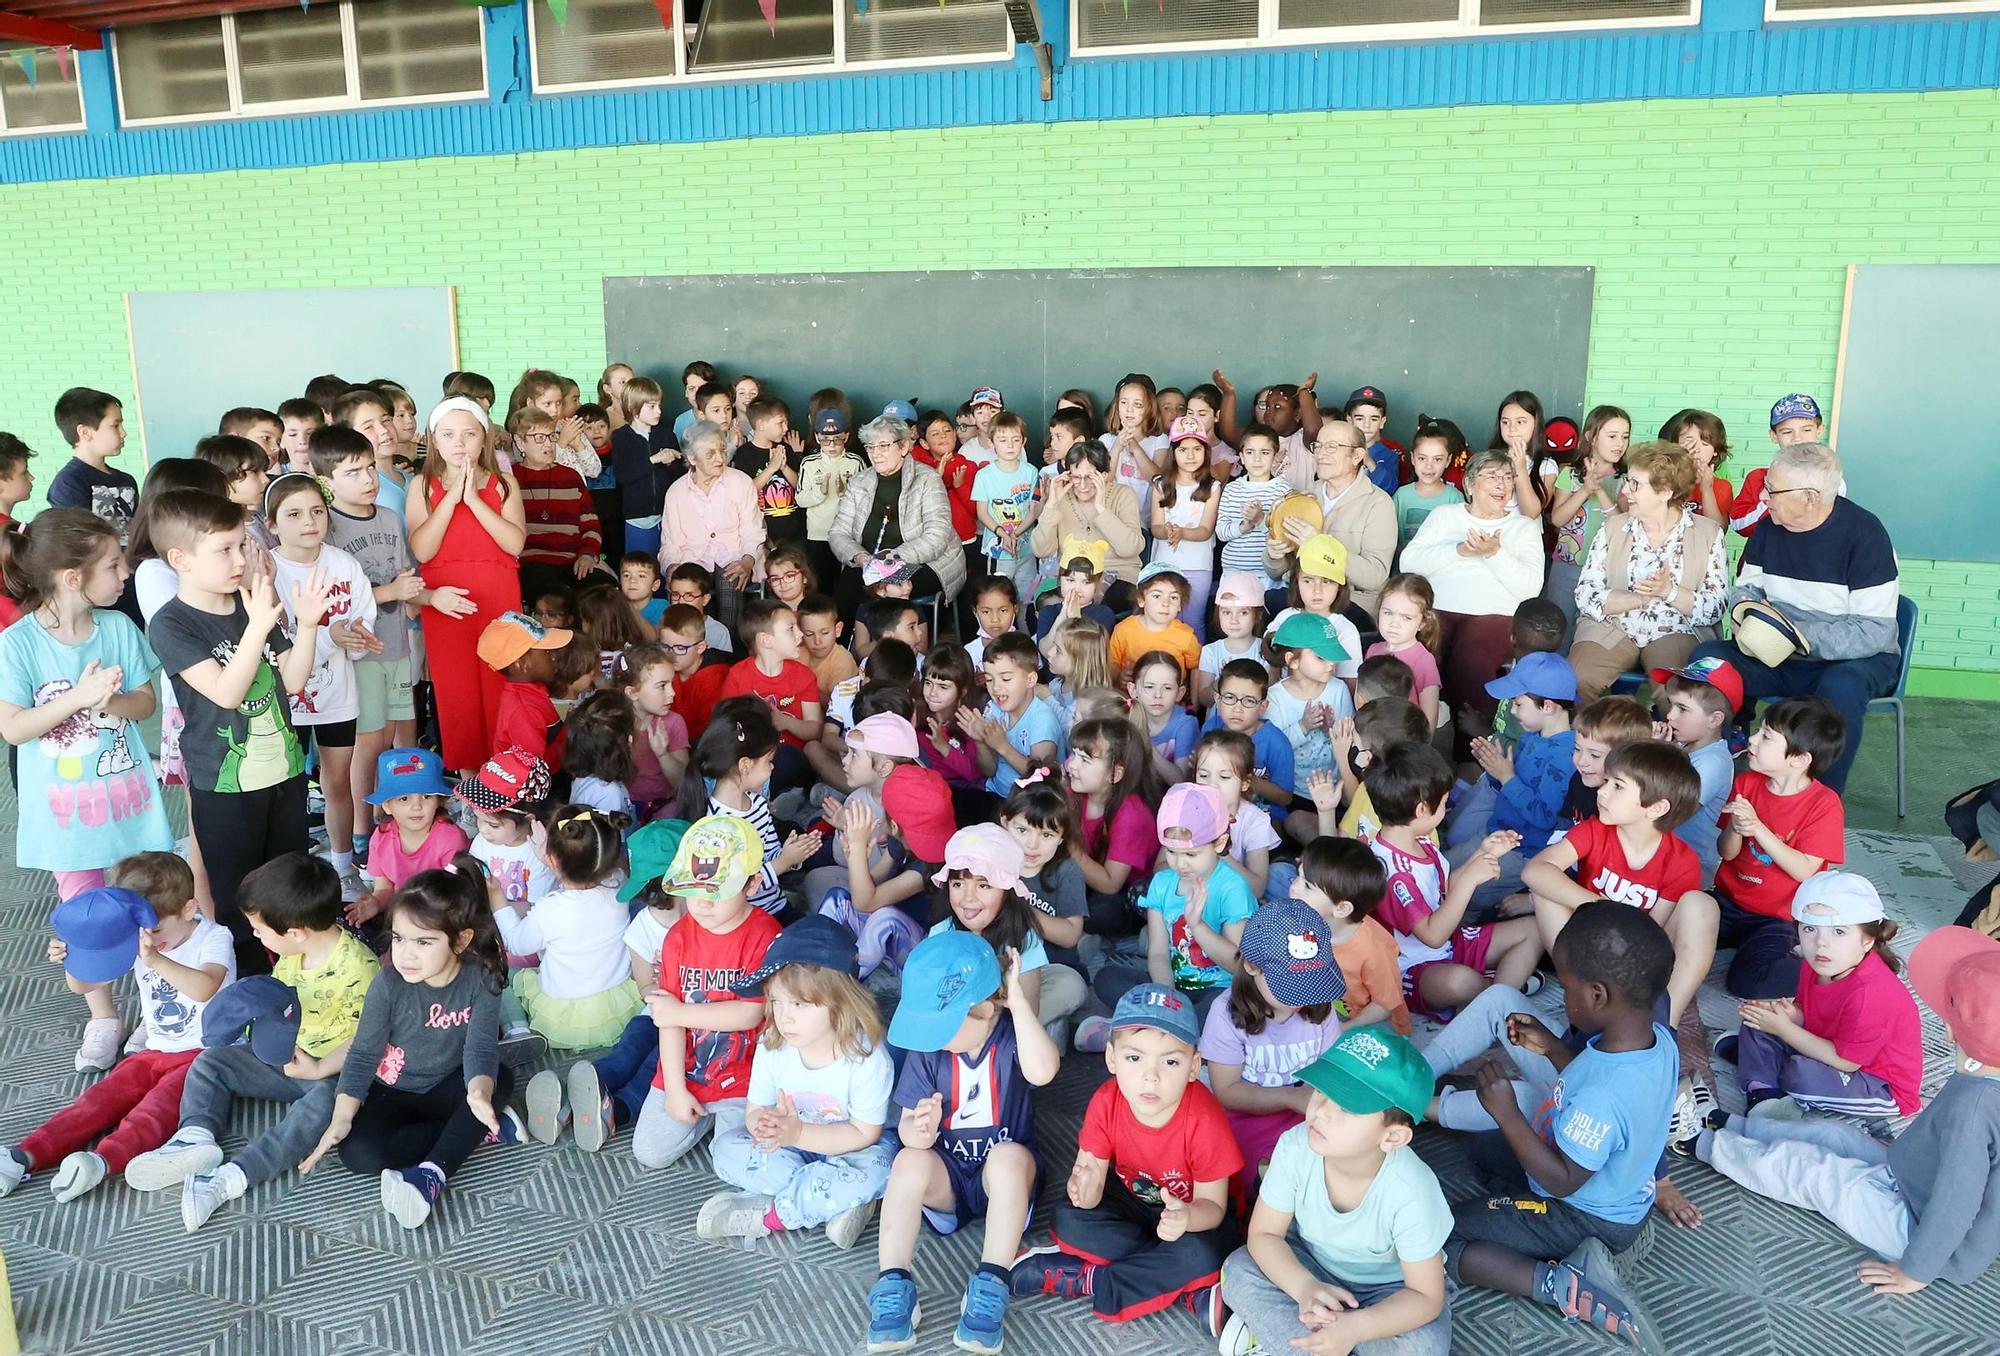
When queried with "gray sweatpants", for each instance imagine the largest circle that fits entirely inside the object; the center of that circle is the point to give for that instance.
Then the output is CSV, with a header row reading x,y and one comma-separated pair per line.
x,y
1480,1025
221,1075
1838,1170
1272,1316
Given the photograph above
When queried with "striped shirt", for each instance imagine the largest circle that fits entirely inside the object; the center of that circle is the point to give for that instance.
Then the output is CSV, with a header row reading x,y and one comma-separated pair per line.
x,y
562,522
1837,583
764,891
1243,548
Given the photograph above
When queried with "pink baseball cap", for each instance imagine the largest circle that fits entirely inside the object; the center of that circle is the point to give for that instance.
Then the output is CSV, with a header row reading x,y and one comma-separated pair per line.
x,y
1239,588
1187,426
885,733
985,850
1192,814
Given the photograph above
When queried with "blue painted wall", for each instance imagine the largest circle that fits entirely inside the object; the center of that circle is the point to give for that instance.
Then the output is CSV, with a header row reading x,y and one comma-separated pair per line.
x,y
1732,53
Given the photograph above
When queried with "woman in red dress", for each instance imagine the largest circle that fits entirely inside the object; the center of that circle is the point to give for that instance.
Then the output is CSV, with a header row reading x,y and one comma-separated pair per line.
x,y
467,528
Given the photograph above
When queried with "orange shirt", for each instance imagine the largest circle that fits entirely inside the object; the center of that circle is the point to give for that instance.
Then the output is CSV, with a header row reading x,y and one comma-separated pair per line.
x,y
1132,640
1367,962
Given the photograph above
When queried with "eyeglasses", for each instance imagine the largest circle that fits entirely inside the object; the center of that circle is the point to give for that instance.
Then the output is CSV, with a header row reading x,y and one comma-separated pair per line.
x,y
1237,701
680,648
783,577
879,446
536,438
1336,447
1771,491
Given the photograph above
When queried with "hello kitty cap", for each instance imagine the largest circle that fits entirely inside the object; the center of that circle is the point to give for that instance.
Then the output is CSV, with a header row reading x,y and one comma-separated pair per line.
x,y
1287,942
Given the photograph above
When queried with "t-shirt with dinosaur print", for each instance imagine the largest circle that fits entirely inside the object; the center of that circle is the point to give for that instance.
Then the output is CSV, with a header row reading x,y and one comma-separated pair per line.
x,y
246,749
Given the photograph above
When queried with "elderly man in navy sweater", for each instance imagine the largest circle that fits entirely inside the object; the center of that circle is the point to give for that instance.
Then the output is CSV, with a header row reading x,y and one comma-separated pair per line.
x,y
1826,564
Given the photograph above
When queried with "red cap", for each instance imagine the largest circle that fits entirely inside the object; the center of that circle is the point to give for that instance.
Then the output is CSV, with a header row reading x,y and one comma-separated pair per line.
x,y
1719,674
1957,972
918,802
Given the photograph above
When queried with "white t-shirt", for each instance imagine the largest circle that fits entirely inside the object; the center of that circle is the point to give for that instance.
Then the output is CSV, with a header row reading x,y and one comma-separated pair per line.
x,y
154,583
523,873
1217,653
975,451
580,936
1127,471
1312,750
645,935
329,695
1196,557
847,1090
611,797
1350,641
173,1020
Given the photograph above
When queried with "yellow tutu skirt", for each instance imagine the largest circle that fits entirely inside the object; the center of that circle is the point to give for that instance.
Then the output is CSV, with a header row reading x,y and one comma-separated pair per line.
x,y
577,1023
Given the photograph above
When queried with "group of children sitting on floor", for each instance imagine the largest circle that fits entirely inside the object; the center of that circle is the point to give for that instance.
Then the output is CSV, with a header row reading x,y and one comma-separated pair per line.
x,y
1242,873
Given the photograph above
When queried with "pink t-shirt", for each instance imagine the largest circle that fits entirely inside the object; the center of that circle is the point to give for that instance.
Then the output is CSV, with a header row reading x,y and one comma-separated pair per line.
x,y
1872,1020
1423,664
387,860
1134,837
649,785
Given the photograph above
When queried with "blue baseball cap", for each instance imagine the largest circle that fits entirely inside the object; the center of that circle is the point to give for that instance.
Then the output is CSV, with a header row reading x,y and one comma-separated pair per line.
x,y
944,977
1159,1007
1794,406
1287,942
101,928
408,772
814,940
1536,674
260,1009
830,420
905,410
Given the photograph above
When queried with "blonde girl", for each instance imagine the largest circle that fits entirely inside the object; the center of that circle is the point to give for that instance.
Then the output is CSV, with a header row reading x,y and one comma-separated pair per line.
x,y
1079,656
611,392
1410,633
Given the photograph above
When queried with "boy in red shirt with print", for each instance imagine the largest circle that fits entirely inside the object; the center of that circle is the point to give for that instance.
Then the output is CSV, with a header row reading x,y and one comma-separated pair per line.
x,y
1147,1218
1781,826
771,634
1629,852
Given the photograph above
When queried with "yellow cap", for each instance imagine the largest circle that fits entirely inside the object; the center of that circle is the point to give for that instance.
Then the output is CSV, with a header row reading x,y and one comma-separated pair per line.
x,y
1324,557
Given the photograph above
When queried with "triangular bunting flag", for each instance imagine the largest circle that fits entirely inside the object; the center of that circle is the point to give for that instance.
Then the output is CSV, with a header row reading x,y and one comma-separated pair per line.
x,y
769,9
560,9
27,58
666,9
63,59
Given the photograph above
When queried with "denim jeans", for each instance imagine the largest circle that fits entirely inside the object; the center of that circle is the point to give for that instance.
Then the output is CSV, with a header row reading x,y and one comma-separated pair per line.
x,y
227,1072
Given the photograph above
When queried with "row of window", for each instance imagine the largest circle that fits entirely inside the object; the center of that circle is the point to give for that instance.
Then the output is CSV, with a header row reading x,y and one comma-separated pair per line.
x,y
367,53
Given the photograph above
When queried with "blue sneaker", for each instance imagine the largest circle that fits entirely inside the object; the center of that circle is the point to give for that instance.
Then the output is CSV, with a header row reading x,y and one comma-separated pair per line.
x,y
893,1313
409,1193
982,1314
1048,1270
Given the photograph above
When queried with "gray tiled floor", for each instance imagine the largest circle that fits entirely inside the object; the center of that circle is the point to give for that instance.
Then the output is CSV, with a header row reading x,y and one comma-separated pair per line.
x,y
554,1250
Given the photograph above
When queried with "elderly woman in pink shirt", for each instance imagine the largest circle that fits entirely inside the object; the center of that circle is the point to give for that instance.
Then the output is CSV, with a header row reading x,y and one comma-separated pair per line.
x,y
711,518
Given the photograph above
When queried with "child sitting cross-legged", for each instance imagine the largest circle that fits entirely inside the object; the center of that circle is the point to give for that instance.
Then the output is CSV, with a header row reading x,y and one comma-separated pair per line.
x,y
302,1018
967,1129
1928,1204
1147,1217
1346,1246
1569,1149
810,1150
145,921
1629,852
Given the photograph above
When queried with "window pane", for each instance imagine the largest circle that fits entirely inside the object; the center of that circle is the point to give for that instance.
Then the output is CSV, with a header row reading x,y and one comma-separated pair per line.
x,y
1578,11
51,101
411,48
173,69
1115,23
1353,13
603,40
1807,6
897,30
734,35
285,55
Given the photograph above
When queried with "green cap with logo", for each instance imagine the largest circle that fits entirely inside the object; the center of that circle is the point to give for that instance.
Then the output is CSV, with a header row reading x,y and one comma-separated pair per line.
x,y
1372,1069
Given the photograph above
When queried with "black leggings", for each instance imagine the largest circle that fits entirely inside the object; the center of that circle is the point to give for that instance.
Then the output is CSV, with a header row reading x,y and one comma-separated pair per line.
x,y
400,1129
239,831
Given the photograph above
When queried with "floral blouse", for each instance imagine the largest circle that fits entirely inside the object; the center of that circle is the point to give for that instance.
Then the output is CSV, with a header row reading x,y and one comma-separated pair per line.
x,y
1659,617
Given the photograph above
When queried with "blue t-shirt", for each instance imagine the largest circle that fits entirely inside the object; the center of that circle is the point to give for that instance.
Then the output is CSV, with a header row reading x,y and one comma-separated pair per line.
x,y
1045,619
1388,473
985,1096
88,793
1229,901
1530,802
1704,827
1007,497
655,609
1609,1113
1275,760
681,422
1177,737
1038,724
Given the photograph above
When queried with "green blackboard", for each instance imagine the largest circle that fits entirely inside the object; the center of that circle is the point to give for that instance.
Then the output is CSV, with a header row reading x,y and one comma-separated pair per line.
x,y
1916,414
1446,341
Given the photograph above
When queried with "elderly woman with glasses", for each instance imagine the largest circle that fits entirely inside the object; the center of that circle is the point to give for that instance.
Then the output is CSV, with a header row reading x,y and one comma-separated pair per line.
x,y
710,517
1483,560
1086,505
1353,510
897,505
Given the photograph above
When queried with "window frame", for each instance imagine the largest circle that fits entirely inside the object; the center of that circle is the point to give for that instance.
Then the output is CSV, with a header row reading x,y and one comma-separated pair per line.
x,y
52,129
744,75
1272,38
351,102
1932,10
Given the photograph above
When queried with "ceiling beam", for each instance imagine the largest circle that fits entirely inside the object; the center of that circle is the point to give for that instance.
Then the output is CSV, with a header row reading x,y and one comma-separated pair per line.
x,y
46,33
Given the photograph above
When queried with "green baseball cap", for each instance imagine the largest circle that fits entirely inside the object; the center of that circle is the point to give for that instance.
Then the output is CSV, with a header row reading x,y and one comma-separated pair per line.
x,y
1372,1069
650,850
1304,631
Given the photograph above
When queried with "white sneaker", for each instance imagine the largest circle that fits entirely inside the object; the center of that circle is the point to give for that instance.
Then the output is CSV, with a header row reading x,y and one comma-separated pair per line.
x,y
844,1230
547,1112
13,1170
733,1214
1237,1340
352,886
1691,1107
136,1042
201,1196
101,1038
1092,1035
172,1163
78,1176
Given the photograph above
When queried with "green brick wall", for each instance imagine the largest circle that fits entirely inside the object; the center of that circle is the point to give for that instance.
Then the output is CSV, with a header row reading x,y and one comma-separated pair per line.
x,y
1720,231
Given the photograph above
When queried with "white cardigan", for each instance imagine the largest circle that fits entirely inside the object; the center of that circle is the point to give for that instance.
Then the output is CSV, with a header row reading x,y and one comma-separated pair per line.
x,y
1477,585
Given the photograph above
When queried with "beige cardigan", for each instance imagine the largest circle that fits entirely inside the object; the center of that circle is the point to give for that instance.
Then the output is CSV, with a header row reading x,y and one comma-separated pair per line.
x,y
1113,520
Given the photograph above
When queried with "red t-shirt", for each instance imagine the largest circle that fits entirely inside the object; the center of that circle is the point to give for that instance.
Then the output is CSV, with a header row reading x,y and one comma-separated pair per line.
x,y
698,966
695,697
1603,868
527,717
1134,838
957,475
1195,1146
1811,822
1872,1020
788,692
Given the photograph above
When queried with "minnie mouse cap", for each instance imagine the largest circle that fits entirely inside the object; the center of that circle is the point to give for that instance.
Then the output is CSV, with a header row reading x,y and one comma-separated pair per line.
x,y
509,779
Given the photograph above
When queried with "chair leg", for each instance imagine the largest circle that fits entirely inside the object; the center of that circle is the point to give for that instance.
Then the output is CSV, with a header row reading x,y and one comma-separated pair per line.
x,y
1902,804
